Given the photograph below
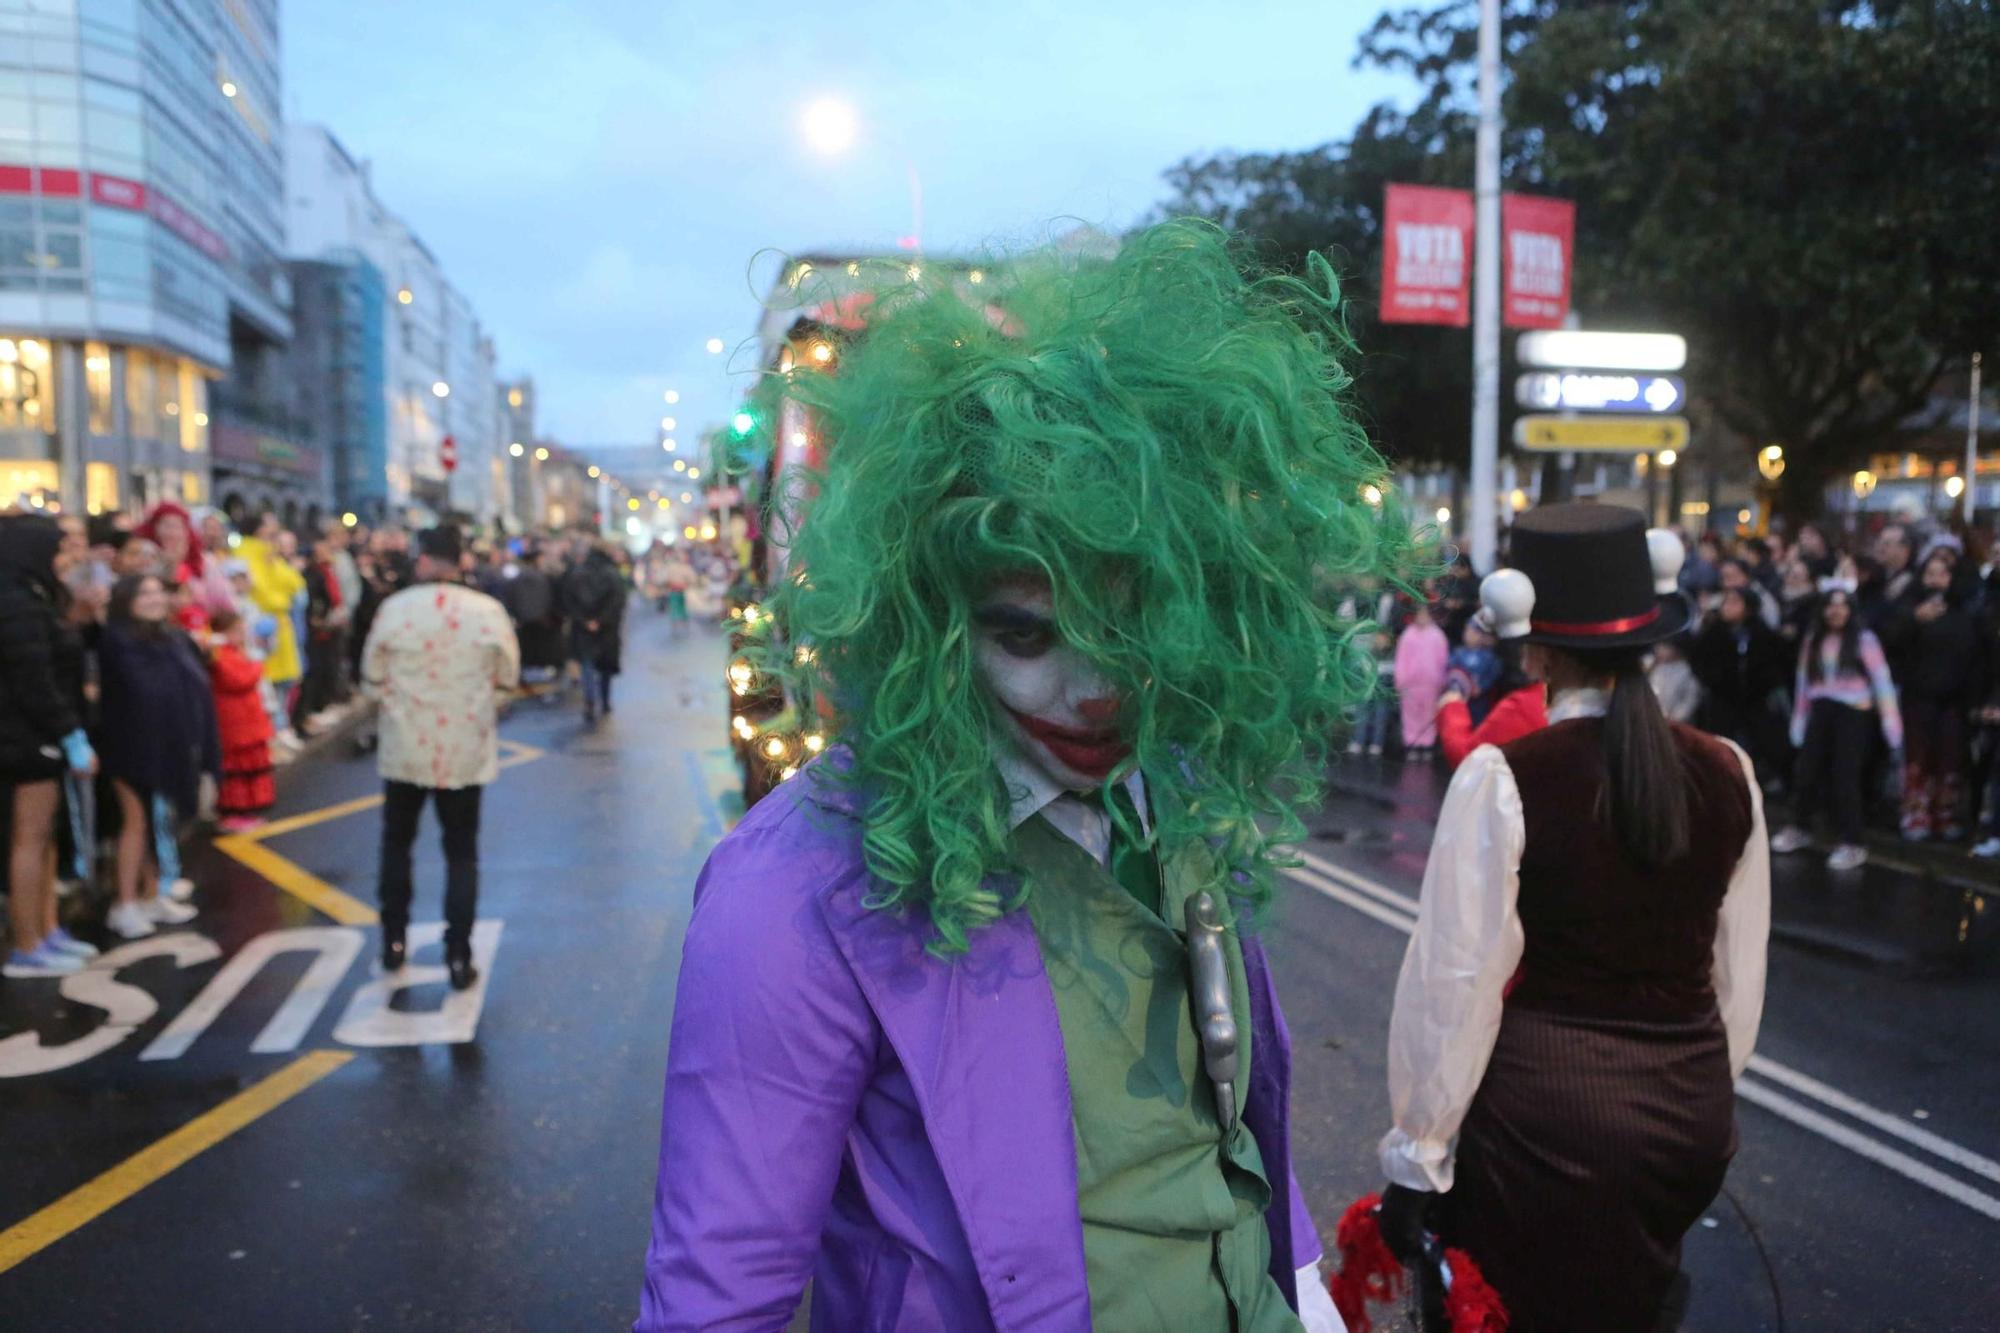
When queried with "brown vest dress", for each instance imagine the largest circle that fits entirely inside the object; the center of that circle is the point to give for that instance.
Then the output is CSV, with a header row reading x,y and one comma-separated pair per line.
x,y
1606,1117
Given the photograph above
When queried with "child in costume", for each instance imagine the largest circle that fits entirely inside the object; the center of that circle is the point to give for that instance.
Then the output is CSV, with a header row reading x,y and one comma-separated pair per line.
x,y
247,791
973,1029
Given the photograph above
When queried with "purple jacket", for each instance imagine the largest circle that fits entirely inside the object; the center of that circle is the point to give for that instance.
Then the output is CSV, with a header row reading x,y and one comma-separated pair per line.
x,y
842,1106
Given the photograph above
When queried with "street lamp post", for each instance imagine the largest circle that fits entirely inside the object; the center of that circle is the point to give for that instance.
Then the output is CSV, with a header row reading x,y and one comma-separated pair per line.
x,y
1972,446
1483,529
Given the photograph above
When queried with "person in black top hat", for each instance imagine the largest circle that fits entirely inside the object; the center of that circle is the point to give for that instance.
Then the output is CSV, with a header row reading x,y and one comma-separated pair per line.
x,y
1587,972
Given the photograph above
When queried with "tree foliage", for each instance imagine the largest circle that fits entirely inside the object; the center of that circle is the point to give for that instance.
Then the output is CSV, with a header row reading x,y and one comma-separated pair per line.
x,y
1807,190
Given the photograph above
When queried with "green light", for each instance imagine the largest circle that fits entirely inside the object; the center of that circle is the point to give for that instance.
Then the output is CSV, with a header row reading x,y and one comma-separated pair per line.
x,y
743,424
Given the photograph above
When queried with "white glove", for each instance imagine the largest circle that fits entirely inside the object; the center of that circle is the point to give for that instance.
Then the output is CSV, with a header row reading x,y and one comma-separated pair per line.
x,y
1316,1308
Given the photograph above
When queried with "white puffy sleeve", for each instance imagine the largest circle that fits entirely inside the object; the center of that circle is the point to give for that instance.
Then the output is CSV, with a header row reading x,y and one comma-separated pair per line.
x,y
1467,944
1743,932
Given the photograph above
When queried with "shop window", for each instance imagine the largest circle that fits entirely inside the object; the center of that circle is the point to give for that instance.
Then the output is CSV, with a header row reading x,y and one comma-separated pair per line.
x,y
100,488
141,390
27,386
27,479
193,402
97,384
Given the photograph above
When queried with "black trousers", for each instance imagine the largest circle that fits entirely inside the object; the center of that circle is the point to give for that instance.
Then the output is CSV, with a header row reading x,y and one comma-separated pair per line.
x,y
458,814
1833,765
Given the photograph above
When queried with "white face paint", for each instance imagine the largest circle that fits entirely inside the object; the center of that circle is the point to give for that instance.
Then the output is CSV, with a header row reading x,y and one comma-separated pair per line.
x,y
1056,709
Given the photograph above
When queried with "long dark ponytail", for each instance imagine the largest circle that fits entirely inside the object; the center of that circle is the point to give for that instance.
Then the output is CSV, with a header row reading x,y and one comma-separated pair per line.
x,y
1648,800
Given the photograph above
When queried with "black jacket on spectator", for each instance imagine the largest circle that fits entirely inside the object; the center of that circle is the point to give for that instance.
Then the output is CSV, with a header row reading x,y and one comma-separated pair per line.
x,y
1887,603
36,709
158,730
1946,663
1740,667
594,592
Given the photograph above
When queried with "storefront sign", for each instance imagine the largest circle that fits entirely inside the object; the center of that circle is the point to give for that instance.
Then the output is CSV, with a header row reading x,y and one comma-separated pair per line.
x,y
116,192
1595,391
1426,256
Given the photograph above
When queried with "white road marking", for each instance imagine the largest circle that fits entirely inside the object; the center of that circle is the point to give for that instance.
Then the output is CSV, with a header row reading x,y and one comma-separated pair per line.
x,y
1855,1141
1384,904
369,1021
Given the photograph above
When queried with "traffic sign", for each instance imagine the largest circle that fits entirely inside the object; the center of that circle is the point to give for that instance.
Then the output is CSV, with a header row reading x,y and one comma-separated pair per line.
x,y
1587,349
1595,391
448,453
1606,433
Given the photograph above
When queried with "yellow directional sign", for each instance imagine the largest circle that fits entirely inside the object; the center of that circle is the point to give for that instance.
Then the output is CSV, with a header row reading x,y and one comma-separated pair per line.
x,y
1611,433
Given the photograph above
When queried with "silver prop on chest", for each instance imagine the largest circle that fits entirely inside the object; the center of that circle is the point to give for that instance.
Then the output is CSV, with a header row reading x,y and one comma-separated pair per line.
x,y
1214,1020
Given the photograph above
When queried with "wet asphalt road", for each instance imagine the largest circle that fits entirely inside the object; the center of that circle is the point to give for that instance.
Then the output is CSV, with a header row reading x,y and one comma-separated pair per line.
x,y
504,1181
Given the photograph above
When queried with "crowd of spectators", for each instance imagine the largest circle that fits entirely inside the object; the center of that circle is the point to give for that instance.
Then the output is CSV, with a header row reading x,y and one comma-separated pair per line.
x,y
1861,673
157,669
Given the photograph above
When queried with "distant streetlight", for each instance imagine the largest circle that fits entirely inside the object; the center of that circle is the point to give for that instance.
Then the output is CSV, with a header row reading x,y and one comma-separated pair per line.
x,y
441,389
1668,458
593,470
829,125
714,346
541,455
405,296
516,449
1771,461
1864,484
1954,486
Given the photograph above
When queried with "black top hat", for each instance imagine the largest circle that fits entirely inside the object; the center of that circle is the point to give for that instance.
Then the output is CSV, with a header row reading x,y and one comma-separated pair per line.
x,y
1595,582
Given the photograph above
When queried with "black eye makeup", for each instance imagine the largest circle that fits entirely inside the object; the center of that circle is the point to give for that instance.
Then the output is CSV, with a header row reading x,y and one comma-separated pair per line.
x,y
1017,631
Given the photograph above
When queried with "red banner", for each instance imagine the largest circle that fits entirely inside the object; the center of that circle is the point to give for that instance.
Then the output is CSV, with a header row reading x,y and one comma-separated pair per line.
x,y
1538,238
1426,256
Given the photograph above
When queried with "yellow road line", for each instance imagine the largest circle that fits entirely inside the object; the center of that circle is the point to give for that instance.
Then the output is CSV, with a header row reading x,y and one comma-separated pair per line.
x,y
89,1201
297,881
293,823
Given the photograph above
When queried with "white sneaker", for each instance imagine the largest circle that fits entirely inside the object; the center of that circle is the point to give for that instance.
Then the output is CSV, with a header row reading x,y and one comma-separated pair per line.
x,y
1847,856
1790,839
43,960
167,912
128,921
180,890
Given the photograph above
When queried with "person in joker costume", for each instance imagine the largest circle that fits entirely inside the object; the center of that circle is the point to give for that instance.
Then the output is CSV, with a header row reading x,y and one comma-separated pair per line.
x,y
973,1028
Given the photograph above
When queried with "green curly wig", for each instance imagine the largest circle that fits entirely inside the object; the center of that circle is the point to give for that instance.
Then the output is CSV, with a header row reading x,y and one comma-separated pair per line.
x,y
1163,435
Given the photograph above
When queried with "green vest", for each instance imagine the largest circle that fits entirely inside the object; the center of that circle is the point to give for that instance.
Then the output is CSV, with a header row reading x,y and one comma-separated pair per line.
x,y
1173,1220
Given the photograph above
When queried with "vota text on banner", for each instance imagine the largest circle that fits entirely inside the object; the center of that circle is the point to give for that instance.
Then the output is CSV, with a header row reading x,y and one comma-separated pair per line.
x,y
1538,236
1426,256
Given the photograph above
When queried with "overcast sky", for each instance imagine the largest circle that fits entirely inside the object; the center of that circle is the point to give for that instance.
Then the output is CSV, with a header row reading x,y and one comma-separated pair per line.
x,y
598,175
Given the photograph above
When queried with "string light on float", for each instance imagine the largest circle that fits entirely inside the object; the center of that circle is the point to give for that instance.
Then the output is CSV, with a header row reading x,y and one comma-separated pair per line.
x,y
673,396
1864,484
742,677
1372,496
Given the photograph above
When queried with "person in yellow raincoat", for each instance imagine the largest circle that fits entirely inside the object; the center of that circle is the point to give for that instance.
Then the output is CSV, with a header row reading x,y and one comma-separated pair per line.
x,y
274,584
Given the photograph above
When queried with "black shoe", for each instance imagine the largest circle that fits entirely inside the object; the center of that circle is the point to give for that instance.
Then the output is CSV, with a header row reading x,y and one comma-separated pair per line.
x,y
463,973
393,951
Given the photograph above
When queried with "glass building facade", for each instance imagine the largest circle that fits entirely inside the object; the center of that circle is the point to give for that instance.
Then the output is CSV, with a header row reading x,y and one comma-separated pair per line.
x,y
141,224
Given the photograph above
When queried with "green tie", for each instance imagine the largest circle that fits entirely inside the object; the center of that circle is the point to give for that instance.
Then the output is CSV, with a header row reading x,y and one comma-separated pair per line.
x,y
1132,863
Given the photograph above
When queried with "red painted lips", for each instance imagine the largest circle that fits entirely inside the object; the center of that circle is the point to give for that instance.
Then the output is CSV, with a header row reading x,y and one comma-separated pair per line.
x,y
1091,753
